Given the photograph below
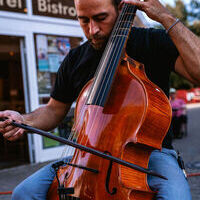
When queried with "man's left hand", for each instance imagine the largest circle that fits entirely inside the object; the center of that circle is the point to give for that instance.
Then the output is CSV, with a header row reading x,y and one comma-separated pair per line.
x,y
153,8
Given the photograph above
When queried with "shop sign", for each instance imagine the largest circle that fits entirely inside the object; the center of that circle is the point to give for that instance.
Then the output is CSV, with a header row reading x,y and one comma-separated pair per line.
x,y
13,5
54,8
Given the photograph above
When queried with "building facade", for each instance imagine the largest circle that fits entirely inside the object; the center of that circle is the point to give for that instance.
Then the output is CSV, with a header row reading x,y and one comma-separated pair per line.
x,y
35,36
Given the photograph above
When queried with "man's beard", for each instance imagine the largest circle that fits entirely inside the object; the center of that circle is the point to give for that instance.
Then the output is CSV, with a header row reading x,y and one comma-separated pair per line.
x,y
100,45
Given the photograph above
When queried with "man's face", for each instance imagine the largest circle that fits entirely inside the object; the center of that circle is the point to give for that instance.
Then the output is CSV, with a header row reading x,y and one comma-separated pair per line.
x,y
97,18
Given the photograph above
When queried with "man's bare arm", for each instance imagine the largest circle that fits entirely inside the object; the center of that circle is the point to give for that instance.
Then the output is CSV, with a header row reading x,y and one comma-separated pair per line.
x,y
46,118
187,43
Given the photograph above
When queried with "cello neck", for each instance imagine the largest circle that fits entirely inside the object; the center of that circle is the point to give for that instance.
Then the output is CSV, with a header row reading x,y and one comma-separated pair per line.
x,y
111,56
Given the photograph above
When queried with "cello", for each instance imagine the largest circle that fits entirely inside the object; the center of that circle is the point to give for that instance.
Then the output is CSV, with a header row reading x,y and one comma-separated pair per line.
x,y
120,113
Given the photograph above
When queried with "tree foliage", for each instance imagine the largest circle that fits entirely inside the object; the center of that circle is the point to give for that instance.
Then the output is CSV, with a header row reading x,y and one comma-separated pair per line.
x,y
190,16
179,10
178,82
195,9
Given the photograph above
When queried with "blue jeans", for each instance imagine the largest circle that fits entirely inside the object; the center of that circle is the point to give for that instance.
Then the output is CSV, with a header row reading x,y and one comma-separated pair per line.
x,y
176,187
165,163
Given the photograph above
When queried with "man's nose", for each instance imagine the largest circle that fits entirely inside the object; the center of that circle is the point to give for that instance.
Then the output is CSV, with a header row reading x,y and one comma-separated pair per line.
x,y
93,27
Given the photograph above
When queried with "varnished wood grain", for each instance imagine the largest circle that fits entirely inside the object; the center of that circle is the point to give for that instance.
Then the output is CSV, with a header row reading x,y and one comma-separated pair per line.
x,y
133,122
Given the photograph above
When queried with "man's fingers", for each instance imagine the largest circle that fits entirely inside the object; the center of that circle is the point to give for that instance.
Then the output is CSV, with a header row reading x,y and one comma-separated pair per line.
x,y
5,114
5,126
10,133
138,3
7,129
5,123
134,2
17,135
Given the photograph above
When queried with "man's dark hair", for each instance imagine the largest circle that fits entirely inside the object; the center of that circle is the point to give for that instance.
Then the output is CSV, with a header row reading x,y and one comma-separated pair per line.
x,y
116,3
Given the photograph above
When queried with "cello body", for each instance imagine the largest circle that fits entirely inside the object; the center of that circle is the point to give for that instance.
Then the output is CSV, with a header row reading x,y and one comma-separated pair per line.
x,y
132,123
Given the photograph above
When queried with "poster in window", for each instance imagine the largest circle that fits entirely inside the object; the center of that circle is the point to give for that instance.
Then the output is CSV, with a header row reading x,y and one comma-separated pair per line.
x,y
54,62
58,48
63,46
44,82
42,53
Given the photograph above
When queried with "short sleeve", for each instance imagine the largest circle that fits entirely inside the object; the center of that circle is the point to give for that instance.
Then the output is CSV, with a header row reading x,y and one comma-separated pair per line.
x,y
150,46
155,49
163,48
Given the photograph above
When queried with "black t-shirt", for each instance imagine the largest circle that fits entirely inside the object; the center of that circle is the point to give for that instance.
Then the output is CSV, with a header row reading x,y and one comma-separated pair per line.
x,y
152,47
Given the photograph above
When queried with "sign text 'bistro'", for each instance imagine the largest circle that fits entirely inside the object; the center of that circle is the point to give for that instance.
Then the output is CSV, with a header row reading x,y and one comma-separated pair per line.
x,y
55,8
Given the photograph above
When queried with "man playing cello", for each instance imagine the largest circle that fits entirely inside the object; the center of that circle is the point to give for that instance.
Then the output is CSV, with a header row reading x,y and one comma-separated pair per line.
x,y
176,49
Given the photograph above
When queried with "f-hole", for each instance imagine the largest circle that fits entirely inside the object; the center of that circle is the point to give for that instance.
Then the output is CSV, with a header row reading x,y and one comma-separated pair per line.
x,y
114,190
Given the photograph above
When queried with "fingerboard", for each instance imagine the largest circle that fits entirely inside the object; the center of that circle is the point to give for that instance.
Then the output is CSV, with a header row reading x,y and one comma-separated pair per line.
x,y
108,64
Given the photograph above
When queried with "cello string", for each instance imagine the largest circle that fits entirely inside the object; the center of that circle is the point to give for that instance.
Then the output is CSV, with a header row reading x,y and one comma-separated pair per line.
x,y
81,140
118,41
65,151
67,147
118,49
110,47
112,39
82,109
70,137
103,60
73,135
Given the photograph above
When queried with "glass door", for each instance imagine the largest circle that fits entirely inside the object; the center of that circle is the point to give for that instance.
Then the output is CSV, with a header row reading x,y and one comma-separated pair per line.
x,y
50,52
12,97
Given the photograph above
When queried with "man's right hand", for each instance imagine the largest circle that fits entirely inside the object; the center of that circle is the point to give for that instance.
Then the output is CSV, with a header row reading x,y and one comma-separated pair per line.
x,y
10,132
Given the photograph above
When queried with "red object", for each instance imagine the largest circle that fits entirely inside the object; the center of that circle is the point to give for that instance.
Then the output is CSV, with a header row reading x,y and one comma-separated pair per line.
x,y
182,94
7,192
193,174
196,95
189,96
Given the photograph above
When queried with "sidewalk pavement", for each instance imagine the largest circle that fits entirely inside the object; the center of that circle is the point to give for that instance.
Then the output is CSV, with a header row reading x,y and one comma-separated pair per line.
x,y
11,177
193,105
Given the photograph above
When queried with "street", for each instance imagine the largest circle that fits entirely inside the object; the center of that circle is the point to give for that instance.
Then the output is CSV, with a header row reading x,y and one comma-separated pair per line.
x,y
189,148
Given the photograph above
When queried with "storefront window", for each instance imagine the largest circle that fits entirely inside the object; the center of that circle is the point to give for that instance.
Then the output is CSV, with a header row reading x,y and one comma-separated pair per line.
x,y
50,52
